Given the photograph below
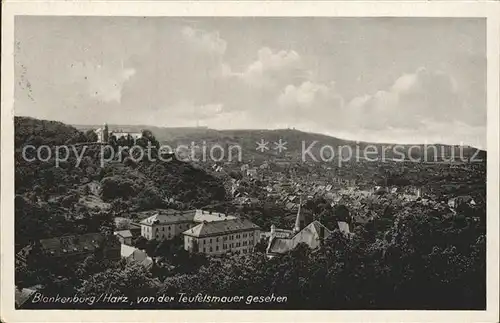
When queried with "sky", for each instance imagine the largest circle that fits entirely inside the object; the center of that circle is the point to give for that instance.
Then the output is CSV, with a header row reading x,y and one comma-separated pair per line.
x,y
401,80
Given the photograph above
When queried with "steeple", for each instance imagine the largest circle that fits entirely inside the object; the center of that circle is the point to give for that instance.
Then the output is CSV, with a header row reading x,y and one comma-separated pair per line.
x,y
300,220
105,133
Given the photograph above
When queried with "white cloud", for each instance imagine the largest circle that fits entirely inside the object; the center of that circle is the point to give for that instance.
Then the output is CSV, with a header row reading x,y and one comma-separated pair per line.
x,y
305,95
317,102
272,69
412,100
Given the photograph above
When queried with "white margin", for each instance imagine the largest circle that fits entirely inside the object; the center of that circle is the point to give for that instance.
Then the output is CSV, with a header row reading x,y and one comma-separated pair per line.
x,y
489,10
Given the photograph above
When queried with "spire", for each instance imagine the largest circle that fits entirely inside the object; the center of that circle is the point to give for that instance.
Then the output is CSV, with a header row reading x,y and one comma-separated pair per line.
x,y
105,133
300,220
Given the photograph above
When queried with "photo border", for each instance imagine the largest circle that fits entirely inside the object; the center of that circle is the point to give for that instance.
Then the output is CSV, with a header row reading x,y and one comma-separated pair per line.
x,y
488,10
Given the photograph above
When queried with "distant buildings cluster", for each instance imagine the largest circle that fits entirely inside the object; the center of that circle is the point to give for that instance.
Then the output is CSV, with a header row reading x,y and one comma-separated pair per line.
x,y
76,247
103,134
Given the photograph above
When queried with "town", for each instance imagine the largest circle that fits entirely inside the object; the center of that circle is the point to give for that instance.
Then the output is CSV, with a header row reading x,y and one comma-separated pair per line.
x,y
270,207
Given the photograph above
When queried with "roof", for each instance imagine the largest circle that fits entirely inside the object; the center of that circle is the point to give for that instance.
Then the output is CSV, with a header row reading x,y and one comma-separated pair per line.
x,y
462,199
343,226
119,134
220,227
124,233
135,255
310,235
72,244
167,216
21,296
126,251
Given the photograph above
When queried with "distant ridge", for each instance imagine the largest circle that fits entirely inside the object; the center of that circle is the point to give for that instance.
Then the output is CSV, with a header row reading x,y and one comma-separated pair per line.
x,y
203,133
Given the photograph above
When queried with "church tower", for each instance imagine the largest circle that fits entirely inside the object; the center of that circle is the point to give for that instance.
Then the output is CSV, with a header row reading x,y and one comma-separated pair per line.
x,y
300,219
105,133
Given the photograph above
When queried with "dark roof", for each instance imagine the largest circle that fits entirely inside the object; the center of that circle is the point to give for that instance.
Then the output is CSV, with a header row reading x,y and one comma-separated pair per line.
x,y
170,216
310,235
73,244
124,233
220,227
21,296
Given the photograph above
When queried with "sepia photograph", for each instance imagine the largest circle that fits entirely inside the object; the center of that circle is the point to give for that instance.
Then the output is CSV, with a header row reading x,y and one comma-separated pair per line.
x,y
291,163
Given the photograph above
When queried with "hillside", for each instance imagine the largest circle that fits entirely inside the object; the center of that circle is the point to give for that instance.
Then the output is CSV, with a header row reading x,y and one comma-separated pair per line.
x,y
297,142
62,199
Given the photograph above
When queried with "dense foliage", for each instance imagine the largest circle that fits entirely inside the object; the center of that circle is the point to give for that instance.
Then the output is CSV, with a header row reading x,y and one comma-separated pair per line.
x,y
409,255
55,198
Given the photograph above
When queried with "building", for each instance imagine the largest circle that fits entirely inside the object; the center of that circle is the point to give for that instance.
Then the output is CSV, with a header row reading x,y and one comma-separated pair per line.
x,y
103,134
281,241
455,202
135,229
252,172
133,255
72,247
218,237
124,236
168,223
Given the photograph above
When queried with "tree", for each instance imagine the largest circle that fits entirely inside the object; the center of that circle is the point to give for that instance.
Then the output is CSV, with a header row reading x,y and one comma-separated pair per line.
x,y
123,224
91,136
341,213
132,281
140,243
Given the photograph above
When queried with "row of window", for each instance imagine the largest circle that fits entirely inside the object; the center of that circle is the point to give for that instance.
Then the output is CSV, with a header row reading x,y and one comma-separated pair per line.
x,y
209,241
236,244
169,228
210,249
238,236
163,235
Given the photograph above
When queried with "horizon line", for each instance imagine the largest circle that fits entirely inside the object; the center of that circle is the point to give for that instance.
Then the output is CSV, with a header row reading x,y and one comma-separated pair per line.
x,y
259,129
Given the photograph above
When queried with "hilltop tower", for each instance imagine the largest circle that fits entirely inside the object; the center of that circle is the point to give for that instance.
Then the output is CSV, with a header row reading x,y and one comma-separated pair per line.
x,y
300,220
105,133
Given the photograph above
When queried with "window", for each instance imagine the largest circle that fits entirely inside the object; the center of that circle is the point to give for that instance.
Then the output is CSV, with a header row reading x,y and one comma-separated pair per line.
x,y
210,240
210,249
216,248
217,239
162,228
169,228
204,250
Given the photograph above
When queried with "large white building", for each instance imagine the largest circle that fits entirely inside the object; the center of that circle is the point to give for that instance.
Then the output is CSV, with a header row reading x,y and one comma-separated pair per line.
x,y
218,237
103,134
169,223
